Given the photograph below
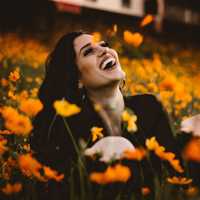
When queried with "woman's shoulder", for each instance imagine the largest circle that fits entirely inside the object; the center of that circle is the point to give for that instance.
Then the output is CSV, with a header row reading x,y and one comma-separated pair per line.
x,y
143,100
146,106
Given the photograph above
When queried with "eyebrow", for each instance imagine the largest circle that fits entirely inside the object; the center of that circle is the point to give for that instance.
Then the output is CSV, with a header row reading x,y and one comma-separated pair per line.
x,y
88,44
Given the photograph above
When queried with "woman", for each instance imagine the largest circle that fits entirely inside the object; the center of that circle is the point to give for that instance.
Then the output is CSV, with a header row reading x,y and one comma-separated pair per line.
x,y
87,73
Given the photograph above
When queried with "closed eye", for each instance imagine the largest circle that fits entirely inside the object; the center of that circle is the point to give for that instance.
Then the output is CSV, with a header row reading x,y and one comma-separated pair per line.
x,y
105,44
88,51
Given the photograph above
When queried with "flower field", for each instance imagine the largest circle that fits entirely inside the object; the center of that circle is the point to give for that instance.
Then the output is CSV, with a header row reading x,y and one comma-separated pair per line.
x,y
168,71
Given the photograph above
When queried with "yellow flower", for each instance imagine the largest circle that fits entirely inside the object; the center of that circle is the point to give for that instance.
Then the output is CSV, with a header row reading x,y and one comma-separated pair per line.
x,y
22,95
96,37
29,79
14,76
151,144
96,133
34,92
179,180
147,20
130,119
66,109
97,107
38,80
134,39
11,188
152,87
11,95
30,106
117,173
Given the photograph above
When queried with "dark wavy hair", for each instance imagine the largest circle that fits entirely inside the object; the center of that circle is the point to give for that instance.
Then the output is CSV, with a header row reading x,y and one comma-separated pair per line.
x,y
61,81
61,78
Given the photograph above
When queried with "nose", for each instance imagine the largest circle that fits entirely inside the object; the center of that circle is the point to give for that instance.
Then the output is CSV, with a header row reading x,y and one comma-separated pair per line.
x,y
102,51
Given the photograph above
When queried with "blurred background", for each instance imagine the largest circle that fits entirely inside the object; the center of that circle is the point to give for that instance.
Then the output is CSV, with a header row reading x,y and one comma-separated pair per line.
x,y
175,19
158,44
157,40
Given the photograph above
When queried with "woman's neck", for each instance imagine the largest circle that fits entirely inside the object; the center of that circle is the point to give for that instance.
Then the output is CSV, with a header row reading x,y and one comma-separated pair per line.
x,y
111,107
108,98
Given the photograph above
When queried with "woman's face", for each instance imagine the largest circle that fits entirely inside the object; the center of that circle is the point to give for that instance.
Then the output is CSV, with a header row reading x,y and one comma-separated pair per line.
x,y
97,63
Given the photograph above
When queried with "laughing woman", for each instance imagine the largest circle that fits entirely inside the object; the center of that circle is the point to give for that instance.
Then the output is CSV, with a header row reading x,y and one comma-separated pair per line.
x,y
87,74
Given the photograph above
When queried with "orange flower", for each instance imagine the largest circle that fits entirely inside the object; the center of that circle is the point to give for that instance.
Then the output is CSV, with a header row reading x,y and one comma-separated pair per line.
x,y
96,133
136,154
15,122
65,109
179,180
117,173
30,166
30,106
192,191
23,95
14,76
159,150
176,165
12,188
147,20
4,82
192,150
3,147
52,174
168,84
145,191
5,132
134,39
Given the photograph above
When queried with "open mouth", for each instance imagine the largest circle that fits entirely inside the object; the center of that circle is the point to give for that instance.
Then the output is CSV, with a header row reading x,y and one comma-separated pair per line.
x,y
108,64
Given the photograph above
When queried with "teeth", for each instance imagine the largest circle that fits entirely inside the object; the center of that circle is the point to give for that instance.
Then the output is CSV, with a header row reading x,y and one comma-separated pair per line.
x,y
103,65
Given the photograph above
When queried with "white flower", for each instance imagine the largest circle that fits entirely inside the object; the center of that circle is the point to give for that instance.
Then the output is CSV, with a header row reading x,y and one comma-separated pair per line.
x,y
110,147
191,124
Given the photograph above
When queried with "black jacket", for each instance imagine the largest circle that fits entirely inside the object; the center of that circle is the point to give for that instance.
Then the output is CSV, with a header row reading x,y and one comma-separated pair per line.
x,y
53,146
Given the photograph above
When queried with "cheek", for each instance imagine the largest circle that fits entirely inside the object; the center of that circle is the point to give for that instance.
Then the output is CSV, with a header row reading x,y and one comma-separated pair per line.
x,y
87,66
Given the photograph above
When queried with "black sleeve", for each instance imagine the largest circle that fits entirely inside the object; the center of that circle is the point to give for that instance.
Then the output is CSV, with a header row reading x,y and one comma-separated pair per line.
x,y
162,128
50,141
52,148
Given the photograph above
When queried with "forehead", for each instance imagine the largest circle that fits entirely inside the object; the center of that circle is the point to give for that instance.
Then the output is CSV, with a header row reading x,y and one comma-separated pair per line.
x,y
82,40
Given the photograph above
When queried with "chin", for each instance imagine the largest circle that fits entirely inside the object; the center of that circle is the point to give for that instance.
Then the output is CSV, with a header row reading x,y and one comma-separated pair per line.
x,y
119,75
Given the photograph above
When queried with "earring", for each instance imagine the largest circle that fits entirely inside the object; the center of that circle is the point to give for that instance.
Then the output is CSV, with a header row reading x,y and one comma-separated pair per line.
x,y
82,90
80,84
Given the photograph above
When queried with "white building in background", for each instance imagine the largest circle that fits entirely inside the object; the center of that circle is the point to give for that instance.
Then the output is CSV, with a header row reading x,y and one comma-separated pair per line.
x,y
126,7
174,12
